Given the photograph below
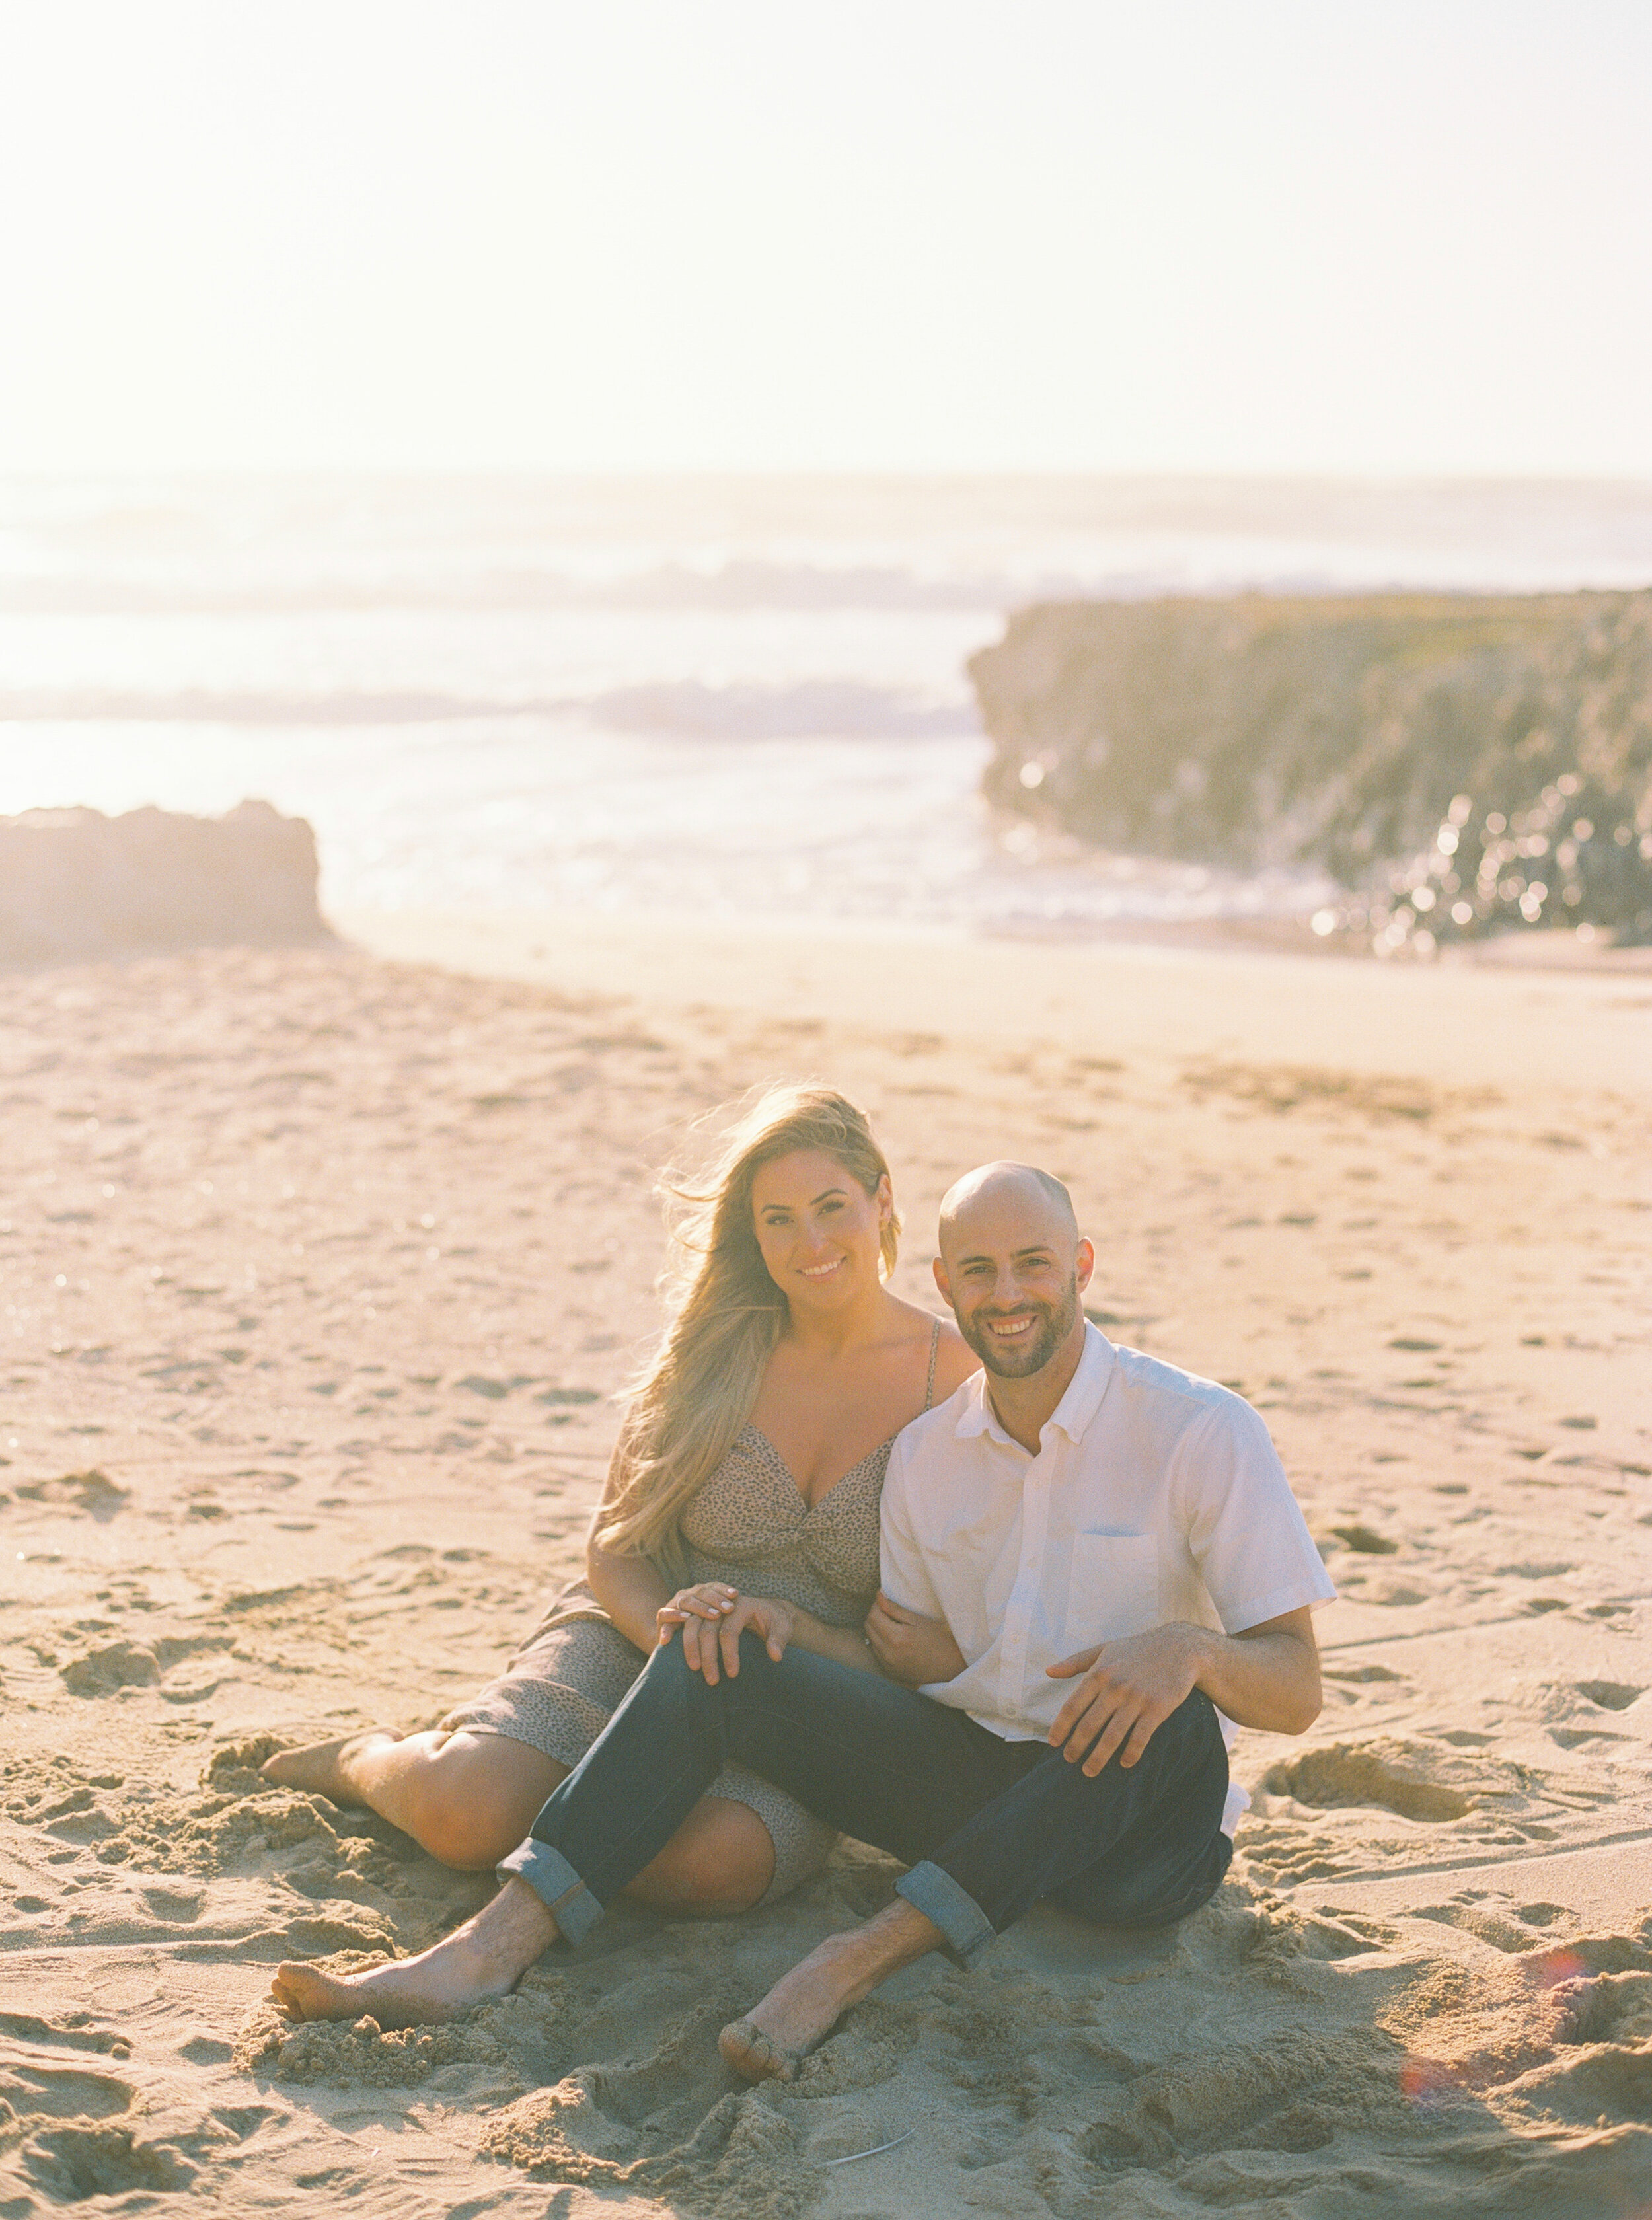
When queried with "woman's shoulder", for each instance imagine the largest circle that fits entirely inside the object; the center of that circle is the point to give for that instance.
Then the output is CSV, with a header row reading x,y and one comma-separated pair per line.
x,y
954,1358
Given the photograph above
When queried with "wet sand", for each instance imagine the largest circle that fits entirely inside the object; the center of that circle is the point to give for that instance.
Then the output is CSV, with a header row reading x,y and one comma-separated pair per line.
x,y
319,1271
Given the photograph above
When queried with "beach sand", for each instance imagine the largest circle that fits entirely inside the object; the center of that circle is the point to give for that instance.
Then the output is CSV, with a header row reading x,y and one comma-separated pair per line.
x,y
320,1271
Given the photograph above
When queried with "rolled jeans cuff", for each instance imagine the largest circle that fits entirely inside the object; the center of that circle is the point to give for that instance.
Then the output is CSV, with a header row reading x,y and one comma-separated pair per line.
x,y
964,1923
556,1884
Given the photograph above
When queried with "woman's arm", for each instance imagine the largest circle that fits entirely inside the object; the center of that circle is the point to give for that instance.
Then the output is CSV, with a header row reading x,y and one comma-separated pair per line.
x,y
628,1588
643,1605
914,1650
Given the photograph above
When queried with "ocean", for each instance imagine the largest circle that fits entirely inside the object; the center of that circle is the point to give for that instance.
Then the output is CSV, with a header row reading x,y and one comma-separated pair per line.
x,y
725,697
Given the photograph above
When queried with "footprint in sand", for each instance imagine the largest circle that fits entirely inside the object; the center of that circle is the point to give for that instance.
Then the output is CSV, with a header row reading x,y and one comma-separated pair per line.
x,y
29,2027
1617,2008
73,2163
33,2088
117,1665
1365,1541
1611,1695
92,1492
1347,1773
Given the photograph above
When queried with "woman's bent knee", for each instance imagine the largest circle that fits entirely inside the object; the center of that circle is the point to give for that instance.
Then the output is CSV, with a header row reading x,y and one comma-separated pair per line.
x,y
719,1863
471,1835
476,1801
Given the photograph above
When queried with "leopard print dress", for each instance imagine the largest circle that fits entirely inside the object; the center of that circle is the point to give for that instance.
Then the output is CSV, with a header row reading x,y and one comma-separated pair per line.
x,y
750,1527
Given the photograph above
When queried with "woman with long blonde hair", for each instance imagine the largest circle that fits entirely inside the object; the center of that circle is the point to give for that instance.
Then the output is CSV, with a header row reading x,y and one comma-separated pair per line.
x,y
743,1491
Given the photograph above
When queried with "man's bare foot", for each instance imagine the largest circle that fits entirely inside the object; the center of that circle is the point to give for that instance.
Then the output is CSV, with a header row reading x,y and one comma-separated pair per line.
x,y
800,2010
324,1769
483,1959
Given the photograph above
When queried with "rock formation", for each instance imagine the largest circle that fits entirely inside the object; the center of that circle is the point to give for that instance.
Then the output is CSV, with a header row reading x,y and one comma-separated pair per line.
x,y
1465,761
76,884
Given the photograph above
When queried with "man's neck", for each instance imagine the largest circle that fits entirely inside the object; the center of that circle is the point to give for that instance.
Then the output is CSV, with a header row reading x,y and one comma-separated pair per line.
x,y
1024,1408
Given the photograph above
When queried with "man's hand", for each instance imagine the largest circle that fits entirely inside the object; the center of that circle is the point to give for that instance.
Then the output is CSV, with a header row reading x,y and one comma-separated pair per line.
x,y
1128,1689
909,1648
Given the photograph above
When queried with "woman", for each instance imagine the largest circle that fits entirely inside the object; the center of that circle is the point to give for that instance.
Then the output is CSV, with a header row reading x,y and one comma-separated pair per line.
x,y
744,1487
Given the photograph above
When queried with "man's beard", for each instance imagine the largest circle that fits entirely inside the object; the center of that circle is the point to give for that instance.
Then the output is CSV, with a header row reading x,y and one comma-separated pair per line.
x,y
1017,1360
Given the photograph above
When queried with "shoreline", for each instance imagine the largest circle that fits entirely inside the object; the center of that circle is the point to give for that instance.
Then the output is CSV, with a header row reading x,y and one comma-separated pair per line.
x,y
1464,1025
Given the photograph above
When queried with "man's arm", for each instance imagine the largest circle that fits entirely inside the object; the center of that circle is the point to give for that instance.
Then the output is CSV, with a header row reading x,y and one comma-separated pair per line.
x,y
1267,1677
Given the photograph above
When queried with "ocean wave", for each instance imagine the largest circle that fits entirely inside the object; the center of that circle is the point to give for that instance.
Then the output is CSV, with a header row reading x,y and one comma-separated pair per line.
x,y
736,585
810,709
815,708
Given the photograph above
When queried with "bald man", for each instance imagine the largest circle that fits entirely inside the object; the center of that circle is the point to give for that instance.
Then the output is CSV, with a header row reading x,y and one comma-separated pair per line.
x,y
1125,1574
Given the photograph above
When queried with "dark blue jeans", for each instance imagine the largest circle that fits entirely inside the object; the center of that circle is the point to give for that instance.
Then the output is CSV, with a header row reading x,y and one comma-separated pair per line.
x,y
989,1827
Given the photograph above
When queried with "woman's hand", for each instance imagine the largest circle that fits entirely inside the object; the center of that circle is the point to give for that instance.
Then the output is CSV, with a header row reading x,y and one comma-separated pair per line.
x,y
909,1648
703,1606
711,1644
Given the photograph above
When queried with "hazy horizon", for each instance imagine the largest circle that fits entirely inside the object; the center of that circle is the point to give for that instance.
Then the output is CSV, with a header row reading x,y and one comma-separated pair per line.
x,y
1367,243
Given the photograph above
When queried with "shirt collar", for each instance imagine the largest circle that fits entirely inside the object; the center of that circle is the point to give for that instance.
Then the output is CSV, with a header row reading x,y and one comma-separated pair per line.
x,y
1074,1413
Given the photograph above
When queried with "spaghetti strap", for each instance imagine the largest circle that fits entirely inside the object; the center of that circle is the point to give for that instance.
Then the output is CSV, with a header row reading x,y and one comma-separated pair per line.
x,y
934,1352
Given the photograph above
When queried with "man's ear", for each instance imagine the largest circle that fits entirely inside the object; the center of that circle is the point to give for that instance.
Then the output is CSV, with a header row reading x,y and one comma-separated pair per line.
x,y
941,1281
1084,1264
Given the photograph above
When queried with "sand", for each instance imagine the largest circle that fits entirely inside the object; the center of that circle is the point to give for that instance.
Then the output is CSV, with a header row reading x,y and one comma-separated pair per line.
x,y
317,1273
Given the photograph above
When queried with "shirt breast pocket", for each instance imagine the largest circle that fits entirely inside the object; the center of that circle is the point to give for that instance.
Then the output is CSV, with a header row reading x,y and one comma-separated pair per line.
x,y
1113,1589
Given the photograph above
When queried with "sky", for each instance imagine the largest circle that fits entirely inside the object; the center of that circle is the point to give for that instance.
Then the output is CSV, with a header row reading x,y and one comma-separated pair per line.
x,y
1358,237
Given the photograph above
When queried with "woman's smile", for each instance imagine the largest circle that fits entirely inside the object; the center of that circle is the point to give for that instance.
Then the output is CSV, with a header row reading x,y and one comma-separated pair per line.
x,y
819,1230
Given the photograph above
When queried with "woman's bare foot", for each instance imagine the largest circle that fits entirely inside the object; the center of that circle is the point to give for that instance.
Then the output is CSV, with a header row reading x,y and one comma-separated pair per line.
x,y
483,1959
800,2010
324,1768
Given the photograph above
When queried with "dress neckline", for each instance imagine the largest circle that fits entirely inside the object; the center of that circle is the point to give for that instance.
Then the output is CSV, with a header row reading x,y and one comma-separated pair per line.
x,y
881,1449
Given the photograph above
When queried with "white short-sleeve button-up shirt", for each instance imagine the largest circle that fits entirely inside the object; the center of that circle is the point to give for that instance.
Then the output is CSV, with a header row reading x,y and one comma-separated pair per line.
x,y
1153,1495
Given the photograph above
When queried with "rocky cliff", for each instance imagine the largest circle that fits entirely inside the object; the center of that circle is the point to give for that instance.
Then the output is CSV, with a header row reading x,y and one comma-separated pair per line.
x,y
1458,762
74,884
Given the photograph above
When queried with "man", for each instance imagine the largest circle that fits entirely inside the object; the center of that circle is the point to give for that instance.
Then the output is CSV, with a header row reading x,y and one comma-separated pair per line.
x,y
1117,1553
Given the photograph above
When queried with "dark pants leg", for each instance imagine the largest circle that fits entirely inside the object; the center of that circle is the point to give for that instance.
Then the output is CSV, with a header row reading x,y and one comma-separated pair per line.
x,y
989,1826
1140,1848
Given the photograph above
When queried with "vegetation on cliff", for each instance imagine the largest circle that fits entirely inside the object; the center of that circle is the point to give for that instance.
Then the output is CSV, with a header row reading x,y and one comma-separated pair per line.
x,y
1459,762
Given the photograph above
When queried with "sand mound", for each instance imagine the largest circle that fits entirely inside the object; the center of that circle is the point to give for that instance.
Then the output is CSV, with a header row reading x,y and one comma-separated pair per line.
x,y
744,2156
